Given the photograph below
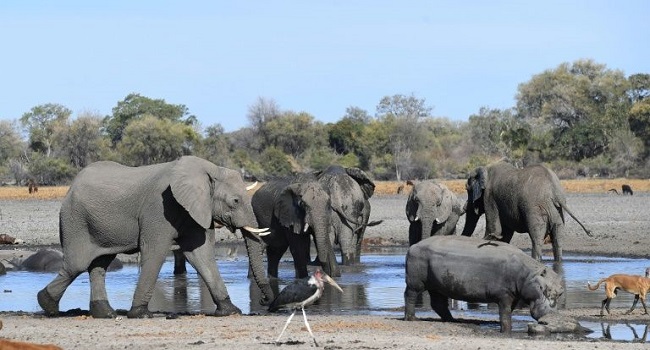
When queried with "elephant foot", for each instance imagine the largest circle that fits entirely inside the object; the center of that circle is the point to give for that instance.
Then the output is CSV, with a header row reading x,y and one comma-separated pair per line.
x,y
101,309
47,303
226,308
411,318
139,312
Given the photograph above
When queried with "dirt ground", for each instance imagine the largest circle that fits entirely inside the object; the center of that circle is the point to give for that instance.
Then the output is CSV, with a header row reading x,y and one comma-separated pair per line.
x,y
619,225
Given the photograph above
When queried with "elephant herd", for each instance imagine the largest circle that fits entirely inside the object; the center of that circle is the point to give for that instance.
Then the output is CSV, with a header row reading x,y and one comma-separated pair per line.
x,y
111,209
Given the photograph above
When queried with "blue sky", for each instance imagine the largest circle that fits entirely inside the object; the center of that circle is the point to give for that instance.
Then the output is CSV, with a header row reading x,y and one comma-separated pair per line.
x,y
218,57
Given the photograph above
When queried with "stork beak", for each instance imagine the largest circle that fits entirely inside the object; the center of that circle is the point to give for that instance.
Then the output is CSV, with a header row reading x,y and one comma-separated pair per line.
x,y
329,280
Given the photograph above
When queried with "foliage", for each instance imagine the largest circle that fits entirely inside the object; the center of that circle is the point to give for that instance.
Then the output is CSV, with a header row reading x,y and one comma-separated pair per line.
x,y
151,140
50,171
41,122
134,106
275,162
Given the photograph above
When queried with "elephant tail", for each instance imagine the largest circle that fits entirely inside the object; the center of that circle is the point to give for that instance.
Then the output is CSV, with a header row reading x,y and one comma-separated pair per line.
x,y
565,208
597,284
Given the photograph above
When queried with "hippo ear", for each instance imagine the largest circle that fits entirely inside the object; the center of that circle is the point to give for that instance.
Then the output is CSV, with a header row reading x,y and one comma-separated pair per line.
x,y
288,210
192,184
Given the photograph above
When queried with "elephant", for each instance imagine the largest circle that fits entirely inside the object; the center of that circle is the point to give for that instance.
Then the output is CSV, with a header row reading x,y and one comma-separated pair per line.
x,y
478,271
349,190
112,208
295,208
518,200
431,209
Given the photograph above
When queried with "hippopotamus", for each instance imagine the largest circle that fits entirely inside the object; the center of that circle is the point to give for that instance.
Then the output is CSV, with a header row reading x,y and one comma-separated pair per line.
x,y
479,271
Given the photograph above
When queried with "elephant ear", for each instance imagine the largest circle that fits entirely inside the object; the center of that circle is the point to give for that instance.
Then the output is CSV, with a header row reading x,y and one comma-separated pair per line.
x,y
446,204
288,209
367,186
192,185
412,206
478,184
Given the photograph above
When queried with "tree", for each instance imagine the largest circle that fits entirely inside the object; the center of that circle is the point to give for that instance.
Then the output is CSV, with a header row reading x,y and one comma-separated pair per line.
x,y
275,162
403,116
345,136
582,104
150,140
41,122
135,106
216,146
293,133
10,142
81,142
639,87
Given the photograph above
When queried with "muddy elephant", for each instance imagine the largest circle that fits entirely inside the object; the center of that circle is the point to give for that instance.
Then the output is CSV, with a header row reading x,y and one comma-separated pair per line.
x,y
349,190
431,209
111,208
478,271
518,200
294,209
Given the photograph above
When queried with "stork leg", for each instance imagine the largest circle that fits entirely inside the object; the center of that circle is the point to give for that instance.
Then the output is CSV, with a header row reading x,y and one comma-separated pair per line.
x,y
285,325
304,315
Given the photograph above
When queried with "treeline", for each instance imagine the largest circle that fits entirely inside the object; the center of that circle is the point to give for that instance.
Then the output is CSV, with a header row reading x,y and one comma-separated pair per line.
x,y
581,118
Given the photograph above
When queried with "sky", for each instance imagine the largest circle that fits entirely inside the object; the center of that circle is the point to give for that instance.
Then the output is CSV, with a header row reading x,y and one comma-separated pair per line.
x,y
219,57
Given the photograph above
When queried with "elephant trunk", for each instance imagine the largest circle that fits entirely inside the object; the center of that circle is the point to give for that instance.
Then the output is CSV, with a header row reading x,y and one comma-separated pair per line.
x,y
427,227
325,253
255,250
471,219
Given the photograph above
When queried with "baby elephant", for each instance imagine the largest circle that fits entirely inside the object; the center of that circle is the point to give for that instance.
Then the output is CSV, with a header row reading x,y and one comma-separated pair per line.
x,y
478,271
432,209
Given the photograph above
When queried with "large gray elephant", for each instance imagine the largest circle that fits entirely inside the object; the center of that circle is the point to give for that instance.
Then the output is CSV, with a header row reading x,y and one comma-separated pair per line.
x,y
111,208
349,190
431,209
294,209
479,271
518,200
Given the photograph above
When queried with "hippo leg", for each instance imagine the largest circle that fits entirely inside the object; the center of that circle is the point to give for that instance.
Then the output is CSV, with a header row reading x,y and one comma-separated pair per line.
x,y
440,304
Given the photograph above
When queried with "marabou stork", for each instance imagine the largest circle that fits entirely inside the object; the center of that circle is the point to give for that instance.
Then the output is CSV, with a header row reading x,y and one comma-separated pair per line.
x,y
300,294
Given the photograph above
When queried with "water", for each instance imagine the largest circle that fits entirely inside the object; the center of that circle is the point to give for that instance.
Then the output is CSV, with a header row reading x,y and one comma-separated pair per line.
x,y
375,287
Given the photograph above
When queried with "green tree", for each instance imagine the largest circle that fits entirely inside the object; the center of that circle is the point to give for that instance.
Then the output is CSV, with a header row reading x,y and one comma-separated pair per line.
x,y
216,146
41,122
275,162
345,136
403,116
639,120
150,140
294,133
582,105
81,142
639,87
10,142
135,106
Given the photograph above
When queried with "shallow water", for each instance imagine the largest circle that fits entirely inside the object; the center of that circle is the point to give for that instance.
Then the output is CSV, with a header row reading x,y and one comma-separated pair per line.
x,y
374,287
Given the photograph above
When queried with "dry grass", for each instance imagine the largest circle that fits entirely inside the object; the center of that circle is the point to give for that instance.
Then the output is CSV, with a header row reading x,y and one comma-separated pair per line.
x,y
570,186
44,192
382,187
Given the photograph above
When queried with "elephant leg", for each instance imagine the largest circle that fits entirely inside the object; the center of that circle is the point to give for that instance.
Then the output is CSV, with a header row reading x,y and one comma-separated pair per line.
x,y
152,258
415,232
556,236
537,240
73,265
203,260
507,235
440,304
179,262
99,305
358,244
299,247
273,256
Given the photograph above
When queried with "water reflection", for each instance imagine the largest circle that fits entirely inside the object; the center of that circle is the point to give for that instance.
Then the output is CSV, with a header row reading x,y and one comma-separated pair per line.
x,y
619,331
376,286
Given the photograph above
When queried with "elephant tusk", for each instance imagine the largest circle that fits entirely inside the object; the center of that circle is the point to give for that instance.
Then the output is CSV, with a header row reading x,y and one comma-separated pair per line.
x,y
259,231
306,227
417,218
250,187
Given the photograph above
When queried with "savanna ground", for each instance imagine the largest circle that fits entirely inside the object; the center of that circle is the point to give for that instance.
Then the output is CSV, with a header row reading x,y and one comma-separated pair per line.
x,y
620,228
